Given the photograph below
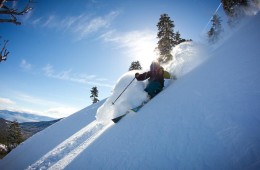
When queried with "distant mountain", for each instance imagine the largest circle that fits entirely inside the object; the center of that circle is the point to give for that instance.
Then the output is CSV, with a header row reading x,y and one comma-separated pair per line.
x,y
23,117
30,128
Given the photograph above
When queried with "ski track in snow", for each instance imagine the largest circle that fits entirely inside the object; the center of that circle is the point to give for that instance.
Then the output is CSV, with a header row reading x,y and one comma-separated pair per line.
x,y
67,151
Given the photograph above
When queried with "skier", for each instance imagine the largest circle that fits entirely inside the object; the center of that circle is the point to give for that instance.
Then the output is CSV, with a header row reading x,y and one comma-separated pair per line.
x,y
156,76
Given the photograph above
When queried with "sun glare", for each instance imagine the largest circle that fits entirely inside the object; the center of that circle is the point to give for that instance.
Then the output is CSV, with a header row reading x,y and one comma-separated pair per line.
x,y
137,45
145,53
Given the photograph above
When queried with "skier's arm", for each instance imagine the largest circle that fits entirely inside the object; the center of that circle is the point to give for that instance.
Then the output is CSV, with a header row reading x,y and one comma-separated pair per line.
x,y
144,76
167,75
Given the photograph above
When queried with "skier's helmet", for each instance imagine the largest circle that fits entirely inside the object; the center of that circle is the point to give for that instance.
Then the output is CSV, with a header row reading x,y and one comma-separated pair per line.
x,y
155,66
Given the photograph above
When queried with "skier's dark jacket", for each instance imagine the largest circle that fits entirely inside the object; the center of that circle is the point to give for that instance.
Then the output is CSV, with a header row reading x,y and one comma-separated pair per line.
x,y
155,74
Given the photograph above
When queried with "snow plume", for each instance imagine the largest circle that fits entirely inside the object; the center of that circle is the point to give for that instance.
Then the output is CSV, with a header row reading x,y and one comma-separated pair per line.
x,y
251,9
186,57
132,97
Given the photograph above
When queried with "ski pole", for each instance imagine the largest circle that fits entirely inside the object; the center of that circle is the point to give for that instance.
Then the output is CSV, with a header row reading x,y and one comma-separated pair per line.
x,y
122,92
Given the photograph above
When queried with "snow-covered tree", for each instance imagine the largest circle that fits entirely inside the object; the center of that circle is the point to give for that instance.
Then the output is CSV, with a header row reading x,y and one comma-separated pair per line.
x,y
94,94
135,65
166,38
215,30
233,10
230,6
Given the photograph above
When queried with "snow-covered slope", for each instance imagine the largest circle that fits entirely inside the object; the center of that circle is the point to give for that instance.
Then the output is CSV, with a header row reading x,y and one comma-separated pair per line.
x,y
208,119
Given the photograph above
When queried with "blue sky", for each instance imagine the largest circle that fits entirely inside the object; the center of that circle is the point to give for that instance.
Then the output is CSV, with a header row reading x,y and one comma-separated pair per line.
x,y
64,48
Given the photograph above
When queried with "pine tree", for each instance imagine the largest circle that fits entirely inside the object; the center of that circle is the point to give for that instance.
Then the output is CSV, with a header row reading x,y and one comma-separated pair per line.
x,y
166,38
211,34
15,136
215,30
135,65
94,94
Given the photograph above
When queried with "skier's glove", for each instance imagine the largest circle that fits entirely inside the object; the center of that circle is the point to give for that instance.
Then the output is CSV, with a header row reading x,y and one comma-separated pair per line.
x,y
136,75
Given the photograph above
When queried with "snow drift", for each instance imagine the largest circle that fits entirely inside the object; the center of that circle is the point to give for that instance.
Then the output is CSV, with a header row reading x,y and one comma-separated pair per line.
x,y
132,97
187,56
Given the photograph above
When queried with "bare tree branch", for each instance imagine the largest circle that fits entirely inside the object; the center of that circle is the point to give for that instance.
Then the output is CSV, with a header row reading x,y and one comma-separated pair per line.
x,y
2,3
4,53
12,13
11,21
5,10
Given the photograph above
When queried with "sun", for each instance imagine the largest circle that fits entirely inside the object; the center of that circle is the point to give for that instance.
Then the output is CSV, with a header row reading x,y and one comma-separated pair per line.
x,y
145,53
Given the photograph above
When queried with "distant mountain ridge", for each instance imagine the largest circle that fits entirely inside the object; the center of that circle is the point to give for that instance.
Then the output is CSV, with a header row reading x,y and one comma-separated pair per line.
x,y
21,117
28,129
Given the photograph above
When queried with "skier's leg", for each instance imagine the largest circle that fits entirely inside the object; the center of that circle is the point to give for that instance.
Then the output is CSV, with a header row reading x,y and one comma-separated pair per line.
x,y
153,88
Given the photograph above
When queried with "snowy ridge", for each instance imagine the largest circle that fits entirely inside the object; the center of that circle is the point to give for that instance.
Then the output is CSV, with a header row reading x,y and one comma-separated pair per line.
x,y
207,119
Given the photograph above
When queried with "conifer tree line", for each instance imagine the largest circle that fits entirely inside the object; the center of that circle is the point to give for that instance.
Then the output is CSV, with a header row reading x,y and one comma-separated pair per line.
x,y
167,39
234,11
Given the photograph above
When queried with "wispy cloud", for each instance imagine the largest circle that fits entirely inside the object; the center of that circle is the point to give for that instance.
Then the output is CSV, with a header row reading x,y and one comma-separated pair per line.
x,y
59,112
51,21
130,39
36,21
25,65
84,28
34,100
138,44
68,75
81,25
54,112
6,101
51,108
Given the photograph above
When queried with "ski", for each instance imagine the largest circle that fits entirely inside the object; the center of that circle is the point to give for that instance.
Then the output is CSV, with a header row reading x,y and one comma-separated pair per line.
x,y
136,109
115,120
